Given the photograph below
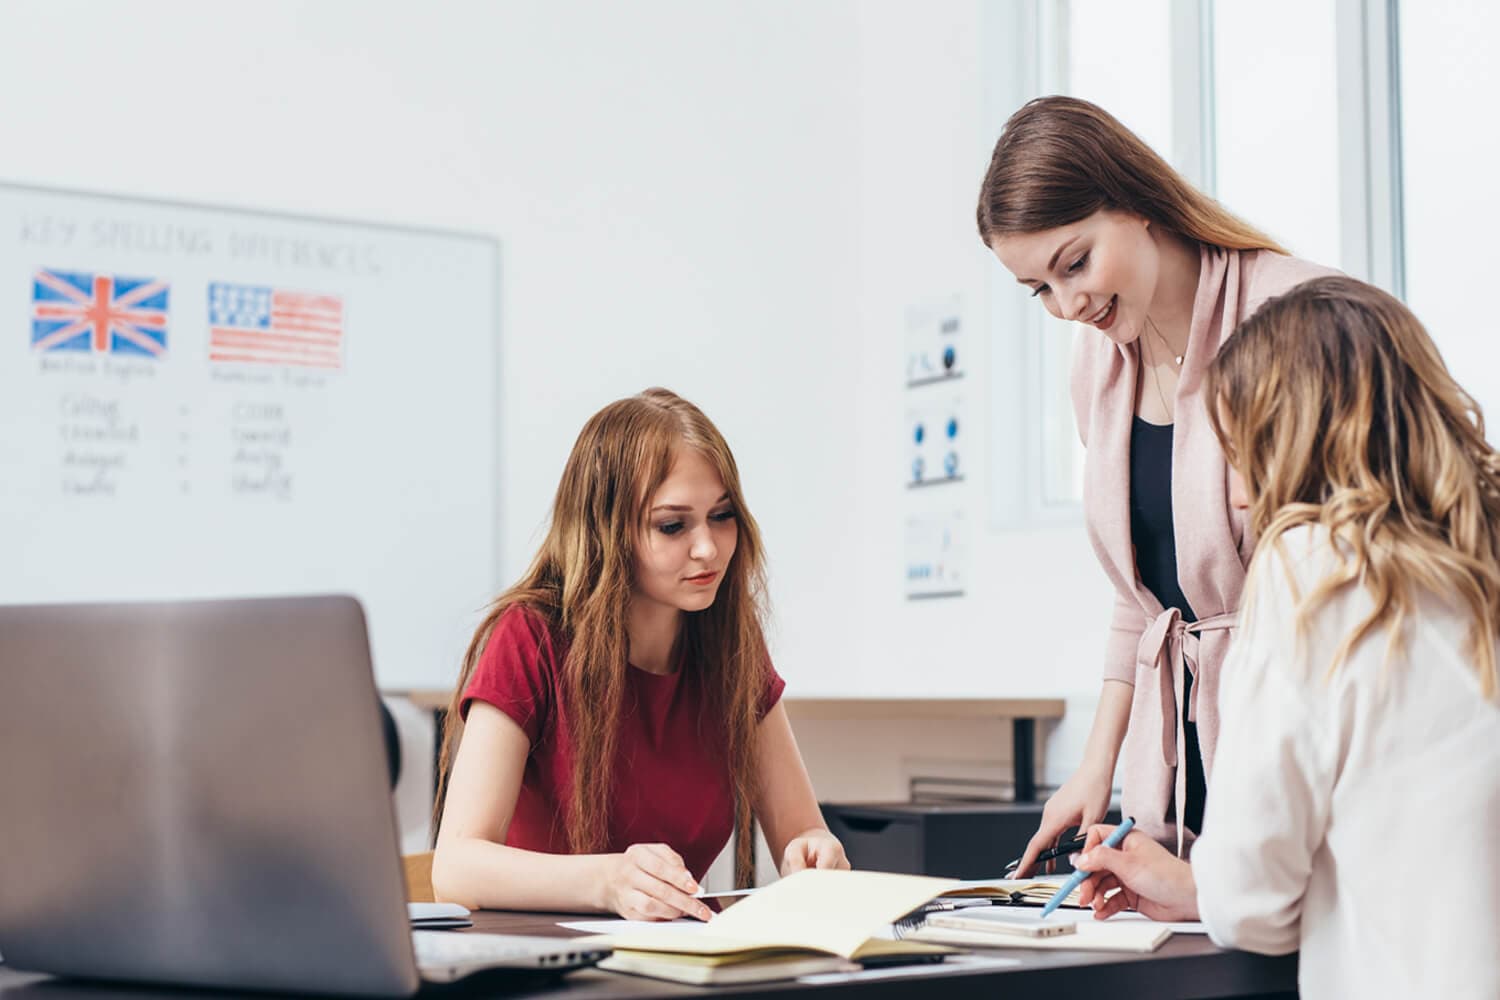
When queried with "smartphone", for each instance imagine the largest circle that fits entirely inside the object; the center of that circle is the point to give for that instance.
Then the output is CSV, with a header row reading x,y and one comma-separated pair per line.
x,y
995,923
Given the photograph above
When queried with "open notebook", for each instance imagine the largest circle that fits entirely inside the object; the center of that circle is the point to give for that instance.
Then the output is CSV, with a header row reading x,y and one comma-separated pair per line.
x,y
812,915
1014,892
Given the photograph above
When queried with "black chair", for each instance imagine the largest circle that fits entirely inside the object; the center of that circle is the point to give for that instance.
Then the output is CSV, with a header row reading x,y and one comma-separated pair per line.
x,y
392,742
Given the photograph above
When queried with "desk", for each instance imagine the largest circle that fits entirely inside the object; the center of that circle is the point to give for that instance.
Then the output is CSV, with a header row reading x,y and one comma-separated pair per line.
x,y
1186,966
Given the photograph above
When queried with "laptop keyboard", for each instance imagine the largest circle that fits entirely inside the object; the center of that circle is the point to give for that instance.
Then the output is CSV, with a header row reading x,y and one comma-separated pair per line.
x,y
443,948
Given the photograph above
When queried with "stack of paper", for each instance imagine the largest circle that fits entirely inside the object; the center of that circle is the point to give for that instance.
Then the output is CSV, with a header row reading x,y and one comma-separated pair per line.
x,y
828,917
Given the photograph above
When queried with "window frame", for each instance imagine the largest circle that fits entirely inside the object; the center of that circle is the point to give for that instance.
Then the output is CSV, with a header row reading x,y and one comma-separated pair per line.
x,y
1370,215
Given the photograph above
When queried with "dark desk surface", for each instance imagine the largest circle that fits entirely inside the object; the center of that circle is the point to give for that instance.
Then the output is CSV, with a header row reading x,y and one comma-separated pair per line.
x,y
1187,965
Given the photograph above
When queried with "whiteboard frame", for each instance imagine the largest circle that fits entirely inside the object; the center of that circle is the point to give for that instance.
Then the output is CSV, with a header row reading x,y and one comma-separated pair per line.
x,y
495,324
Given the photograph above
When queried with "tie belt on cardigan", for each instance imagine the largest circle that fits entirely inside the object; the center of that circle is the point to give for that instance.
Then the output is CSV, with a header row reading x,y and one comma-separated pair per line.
x,y
1168,647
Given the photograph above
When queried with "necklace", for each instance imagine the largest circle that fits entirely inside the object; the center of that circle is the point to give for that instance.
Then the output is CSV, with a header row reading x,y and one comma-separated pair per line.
x,y
1156,380
1161,337
1155,374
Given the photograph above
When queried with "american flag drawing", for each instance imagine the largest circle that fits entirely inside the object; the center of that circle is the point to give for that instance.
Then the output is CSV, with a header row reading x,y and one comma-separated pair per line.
x,y
271,326
98,313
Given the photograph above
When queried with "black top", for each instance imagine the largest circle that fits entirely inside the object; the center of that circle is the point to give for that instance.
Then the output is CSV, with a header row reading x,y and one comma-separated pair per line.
x,y
1156,563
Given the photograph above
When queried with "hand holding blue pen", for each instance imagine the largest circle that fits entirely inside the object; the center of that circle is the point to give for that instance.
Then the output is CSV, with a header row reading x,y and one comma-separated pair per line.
x,y
1076,879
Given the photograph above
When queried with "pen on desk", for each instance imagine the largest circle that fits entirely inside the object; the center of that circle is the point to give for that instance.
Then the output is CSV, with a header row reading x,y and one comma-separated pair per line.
x,y
1076,879
939,905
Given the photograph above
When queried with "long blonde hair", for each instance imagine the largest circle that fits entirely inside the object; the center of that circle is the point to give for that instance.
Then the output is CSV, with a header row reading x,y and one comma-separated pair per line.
x,y
1060,159
581,581
1335,407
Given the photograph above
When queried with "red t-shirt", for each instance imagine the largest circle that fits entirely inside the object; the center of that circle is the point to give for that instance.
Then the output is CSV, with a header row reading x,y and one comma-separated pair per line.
x,y
671,780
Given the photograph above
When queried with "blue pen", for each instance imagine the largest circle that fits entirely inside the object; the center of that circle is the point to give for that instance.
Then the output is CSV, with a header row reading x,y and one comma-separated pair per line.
x,y
1076,879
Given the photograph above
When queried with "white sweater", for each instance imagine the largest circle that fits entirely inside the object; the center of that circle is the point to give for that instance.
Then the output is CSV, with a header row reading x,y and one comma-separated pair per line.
x,y
1356,819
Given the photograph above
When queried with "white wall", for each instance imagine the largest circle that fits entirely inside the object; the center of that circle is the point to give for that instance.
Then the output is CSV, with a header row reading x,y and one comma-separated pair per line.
x,y
937,86
736,200
673,185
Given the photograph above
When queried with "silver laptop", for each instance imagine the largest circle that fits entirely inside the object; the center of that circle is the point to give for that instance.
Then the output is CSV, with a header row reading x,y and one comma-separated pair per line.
x,y
197,793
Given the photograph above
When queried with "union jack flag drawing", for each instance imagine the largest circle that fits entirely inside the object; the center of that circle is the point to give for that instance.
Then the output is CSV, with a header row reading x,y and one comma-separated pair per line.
x,y
98,313
272,326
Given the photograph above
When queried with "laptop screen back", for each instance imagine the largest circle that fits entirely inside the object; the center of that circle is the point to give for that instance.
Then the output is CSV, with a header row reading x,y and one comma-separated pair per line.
x,y
197,793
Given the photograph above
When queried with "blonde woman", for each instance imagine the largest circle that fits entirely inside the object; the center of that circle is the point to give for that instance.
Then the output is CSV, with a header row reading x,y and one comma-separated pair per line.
x,y
617,712
1357,795
1105,233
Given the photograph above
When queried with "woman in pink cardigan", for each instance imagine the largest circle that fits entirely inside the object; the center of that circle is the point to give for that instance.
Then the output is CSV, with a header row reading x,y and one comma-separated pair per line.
x,y
1105,233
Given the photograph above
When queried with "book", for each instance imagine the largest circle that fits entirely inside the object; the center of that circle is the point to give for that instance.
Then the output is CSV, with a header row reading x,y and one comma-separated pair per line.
x,y
725,970
811,913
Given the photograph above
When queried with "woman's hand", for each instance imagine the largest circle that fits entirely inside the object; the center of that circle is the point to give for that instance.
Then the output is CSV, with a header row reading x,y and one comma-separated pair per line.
x,y
1150,878
1081,802
817,848
651,882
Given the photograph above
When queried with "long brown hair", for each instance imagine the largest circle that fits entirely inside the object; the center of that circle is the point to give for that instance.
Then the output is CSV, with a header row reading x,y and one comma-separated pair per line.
x,y
1337,410
1060,159
581,582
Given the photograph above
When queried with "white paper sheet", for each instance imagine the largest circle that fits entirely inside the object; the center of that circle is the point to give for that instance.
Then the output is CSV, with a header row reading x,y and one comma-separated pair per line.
x,y
1022,914
618,926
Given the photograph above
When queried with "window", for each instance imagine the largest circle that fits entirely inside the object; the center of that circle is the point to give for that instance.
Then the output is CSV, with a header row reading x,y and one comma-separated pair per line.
x,y
1120,57
1284,111
1276,121
1266,137
1450,87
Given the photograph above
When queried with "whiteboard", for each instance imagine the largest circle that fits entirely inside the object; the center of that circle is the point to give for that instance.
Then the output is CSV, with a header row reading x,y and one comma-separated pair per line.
x,y
204,402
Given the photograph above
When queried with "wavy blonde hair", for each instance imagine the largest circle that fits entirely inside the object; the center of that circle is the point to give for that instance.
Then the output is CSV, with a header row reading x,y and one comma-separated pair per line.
x,y
581,582
1060,159
1335,407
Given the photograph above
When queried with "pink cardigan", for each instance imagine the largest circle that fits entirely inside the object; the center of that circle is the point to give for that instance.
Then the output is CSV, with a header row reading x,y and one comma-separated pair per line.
x,y
1150,647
